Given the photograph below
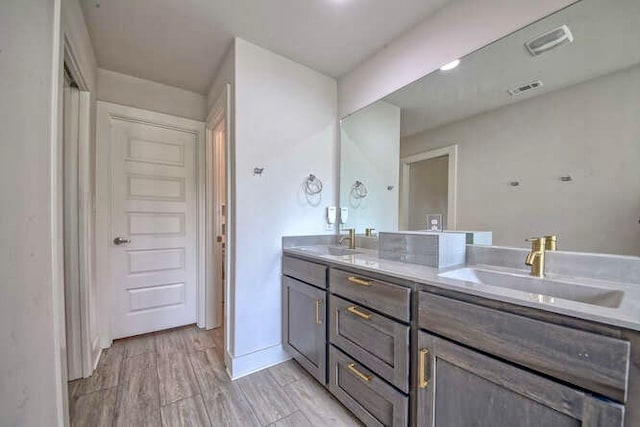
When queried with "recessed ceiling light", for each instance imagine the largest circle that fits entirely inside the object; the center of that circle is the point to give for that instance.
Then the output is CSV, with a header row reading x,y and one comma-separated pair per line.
x,y
450,66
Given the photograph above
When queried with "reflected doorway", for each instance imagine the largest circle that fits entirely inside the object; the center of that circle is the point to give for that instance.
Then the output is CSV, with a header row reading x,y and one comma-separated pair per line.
x,y
429,194
428,190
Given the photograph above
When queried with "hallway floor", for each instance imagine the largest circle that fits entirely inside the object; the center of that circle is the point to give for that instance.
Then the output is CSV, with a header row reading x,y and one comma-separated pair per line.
x,y
177,378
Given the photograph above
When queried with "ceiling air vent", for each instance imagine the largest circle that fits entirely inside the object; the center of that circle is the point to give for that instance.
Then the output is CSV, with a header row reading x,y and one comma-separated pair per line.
x,y
549,40
525,88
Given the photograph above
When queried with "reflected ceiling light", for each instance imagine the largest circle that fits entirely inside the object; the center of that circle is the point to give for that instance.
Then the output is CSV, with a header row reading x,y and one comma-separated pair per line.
x,y
450,66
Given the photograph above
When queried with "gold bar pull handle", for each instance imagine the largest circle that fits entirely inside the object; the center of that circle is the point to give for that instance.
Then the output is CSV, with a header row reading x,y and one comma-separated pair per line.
x,y
359,281
363,377
354,310
423,381
318,318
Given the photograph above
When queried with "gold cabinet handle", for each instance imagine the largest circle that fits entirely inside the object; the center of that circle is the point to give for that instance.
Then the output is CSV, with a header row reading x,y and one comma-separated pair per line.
x,y
359,281
363,377
354,310
318,319
423,381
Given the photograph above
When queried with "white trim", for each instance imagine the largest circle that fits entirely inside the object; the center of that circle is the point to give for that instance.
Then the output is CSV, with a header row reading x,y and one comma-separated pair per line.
x,y
219,112
452,152
201,227
90,347
247,364
57,231
71,60
105,112
71,229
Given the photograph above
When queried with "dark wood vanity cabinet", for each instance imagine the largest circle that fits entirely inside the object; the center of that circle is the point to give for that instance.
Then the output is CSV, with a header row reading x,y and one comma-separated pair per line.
x,y
460,387
399,354
304,329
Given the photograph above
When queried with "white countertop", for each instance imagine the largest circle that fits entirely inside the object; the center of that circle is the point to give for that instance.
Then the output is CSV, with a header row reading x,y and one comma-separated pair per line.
x,y
627,315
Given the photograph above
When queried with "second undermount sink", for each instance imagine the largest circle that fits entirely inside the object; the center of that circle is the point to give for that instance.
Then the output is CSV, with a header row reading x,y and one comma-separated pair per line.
x,y
602,297
330,250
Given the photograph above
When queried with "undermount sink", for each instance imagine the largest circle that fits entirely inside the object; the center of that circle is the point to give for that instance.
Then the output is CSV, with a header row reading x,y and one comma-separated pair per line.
x,y
330,250
544,287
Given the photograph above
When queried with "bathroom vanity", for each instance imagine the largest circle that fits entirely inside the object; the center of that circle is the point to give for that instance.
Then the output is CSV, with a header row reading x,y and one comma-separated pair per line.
x,y
404,344
424,330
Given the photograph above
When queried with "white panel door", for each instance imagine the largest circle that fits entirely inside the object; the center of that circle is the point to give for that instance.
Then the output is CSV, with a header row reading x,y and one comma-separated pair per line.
x,y
153,226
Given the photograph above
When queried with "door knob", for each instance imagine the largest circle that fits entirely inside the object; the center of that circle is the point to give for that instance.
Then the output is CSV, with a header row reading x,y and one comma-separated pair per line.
x,y
121,240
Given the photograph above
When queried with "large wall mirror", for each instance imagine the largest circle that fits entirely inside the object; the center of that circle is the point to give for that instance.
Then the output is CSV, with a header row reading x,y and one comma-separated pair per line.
x,y
537,133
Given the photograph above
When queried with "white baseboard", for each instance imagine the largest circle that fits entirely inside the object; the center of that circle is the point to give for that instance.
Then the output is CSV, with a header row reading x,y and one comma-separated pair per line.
x,y
240,366
105,342
97,351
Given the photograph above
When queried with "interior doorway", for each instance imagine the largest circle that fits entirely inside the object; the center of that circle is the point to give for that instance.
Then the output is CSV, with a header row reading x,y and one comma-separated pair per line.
x,y
217,215
428,194
428,190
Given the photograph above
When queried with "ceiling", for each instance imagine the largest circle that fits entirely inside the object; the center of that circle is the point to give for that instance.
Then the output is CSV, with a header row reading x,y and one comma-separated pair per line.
x,y
181,43
606,39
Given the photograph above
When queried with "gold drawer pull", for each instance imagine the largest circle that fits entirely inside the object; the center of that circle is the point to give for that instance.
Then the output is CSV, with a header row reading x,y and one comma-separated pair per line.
x,y
359,281
423,382
363,377
358,313
318,319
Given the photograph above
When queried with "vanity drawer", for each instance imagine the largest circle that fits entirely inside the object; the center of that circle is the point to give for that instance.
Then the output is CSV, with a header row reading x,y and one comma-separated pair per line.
x,y
382,296
371,399
378,342
591,361
310,272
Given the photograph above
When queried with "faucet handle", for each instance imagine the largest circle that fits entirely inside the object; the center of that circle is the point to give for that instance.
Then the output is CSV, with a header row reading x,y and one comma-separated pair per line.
x,y
537,243
551,242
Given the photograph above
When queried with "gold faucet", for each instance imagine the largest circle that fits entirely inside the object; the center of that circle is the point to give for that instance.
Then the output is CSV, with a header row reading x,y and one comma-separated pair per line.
x,y
535,258
351,237
369,232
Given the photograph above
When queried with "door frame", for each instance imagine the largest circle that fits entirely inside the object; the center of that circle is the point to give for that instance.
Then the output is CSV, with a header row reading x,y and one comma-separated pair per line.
x,y
83,262
405,164
105,112
220,111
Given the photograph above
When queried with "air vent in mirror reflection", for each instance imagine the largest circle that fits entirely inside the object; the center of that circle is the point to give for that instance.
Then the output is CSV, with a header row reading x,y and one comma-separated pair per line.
x,y
525,88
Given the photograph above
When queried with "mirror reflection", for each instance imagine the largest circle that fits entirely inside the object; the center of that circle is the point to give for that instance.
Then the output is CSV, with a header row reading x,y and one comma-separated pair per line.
x,y
537,133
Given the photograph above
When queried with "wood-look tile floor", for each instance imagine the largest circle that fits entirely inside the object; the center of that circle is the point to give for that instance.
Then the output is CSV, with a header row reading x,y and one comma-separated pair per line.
x,y
177,378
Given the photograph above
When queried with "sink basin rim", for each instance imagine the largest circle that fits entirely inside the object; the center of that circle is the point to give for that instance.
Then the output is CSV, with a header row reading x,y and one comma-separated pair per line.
x,y
330,250
548,289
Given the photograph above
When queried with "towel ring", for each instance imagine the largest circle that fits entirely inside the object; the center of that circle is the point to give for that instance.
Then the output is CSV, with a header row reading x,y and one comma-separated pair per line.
x,y
359,190
312,185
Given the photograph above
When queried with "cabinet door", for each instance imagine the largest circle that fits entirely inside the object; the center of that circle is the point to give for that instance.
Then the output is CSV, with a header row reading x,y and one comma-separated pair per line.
x,y
304,329
458,387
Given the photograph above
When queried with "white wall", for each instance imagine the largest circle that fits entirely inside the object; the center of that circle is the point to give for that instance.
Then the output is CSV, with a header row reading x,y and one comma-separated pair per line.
x,y
32,353
455,31
140,93
428,192
285,123
590,131
369,139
